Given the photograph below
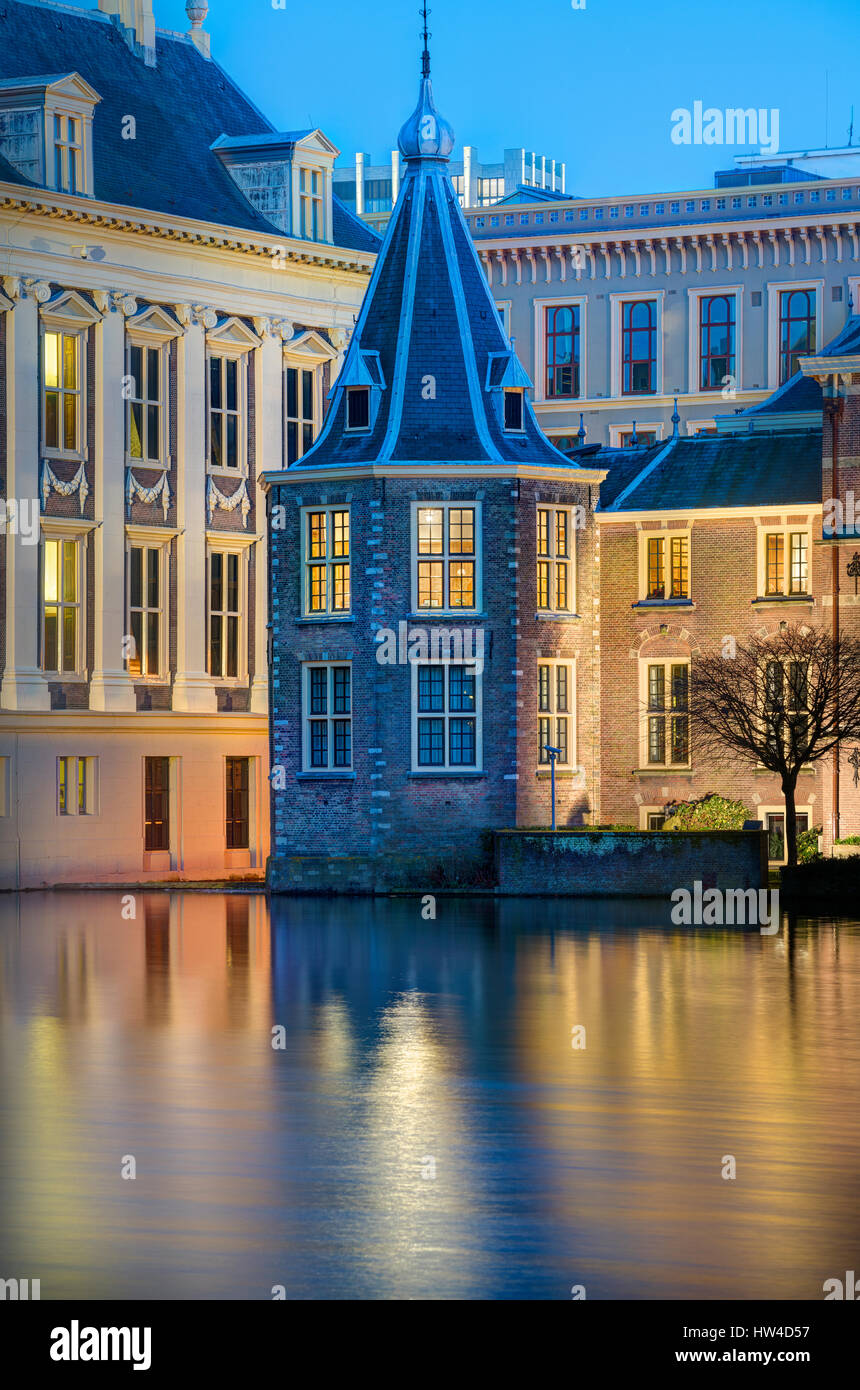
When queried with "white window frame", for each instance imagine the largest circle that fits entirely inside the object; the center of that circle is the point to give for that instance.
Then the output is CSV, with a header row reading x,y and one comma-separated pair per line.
x,y
72,764
552,559
330,717
762,813
504,307
447,768
309,564
780,527
299,365
79,335
616,431
151,539
226,544
616,374
226,354
541,306
53,530
774,289
553,714
62,148
153,329
665,534
694,298
646,811
445,505
667,663
308,199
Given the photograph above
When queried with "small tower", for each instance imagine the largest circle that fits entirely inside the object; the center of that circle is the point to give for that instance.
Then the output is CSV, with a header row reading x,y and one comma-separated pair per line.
x,y
430,578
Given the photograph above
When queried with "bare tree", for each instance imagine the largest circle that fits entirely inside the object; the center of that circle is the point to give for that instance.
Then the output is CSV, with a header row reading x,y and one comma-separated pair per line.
x,y
779,702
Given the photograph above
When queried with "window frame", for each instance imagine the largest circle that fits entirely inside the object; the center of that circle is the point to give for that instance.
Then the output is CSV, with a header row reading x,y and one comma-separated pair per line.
x,y
71,765
446,768
331,717
80,338
300,421
143,345
542,308
664,534
552,559
228,547
148,540
170,794
248,792
309,564
617,303
774,289
764,530
568,664
60,535
762,813
646,763
695,297
224,352
308,197
63,148
445,556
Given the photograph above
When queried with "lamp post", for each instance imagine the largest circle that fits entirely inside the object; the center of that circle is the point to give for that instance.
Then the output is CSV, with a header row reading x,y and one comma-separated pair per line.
x,y
552,754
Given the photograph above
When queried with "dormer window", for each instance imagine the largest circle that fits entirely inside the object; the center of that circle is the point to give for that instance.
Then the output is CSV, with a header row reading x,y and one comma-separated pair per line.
x,y
364,383
358,408
311,204
287,177
513,410
46,127
68,153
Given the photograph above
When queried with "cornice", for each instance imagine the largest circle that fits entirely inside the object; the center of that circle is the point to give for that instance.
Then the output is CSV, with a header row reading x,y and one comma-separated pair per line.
x,y
450,472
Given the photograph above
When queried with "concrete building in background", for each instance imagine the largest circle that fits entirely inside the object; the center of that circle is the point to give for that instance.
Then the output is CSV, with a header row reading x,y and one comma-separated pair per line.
x,y
371,190
620,305
178,284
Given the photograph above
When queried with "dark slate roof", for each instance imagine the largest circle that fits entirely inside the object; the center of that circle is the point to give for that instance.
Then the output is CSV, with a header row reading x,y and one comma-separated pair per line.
x,y
624,465
9,174
802,392
745,470
526,193
428,312
181,106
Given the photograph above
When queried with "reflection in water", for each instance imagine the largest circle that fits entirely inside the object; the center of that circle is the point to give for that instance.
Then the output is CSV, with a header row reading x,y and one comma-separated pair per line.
x,y
427,1128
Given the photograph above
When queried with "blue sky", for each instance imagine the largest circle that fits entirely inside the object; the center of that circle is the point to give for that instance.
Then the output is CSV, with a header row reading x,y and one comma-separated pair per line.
x,y
594,87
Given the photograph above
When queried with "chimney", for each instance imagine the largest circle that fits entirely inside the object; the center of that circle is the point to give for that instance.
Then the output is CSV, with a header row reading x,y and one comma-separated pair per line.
x,y
197,10
136,22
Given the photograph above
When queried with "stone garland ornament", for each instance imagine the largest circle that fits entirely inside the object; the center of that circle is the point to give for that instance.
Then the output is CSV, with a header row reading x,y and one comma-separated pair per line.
x,y
216,498
150,495
78,484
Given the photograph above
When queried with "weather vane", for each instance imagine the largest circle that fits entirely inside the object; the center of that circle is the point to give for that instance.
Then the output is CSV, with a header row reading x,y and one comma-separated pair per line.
x,y
425,56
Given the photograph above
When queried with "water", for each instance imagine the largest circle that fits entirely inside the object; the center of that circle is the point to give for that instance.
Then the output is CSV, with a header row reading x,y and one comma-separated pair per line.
x,y
427,1130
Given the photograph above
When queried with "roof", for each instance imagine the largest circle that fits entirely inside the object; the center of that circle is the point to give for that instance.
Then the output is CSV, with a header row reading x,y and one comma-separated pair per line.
x,y
527,193
181,106
710,471
429,344
803,393
9,174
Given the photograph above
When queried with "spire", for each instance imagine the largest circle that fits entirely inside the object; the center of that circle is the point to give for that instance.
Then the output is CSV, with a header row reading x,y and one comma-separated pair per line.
x,y
580,433
676,420
634,438
425,56
426,135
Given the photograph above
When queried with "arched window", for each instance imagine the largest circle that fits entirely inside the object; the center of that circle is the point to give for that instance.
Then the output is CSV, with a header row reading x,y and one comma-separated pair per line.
x,y
796,330
638,347
716,340
562,351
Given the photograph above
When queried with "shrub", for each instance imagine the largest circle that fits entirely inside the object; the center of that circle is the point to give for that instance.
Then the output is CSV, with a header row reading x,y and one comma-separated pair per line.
x,y
849,840
709,812
807,845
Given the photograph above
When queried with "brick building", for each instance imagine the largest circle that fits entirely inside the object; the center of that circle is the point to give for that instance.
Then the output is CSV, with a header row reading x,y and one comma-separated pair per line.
x,y
431,523
580,586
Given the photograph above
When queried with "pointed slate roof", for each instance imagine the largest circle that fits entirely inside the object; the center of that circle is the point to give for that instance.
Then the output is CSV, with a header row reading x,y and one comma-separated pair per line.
x,y
429,341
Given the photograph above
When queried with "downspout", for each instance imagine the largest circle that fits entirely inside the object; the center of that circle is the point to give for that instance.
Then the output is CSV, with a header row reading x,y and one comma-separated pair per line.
x,y
834,409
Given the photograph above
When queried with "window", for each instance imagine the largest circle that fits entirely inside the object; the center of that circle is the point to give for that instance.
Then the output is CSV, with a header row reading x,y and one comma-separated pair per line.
x,y
796,330
145,623
225,614
310,204
716,340
145,404
301,411
638,347
786,706
237,822
562,341
555,559
225,412
555,696
156,834
5,797
643,440
667,719
667,567
61,388
775,825
446,563
327,572
68,153
656,820
61,605
513,408
358,408
785,562
77,786
327,705
445,731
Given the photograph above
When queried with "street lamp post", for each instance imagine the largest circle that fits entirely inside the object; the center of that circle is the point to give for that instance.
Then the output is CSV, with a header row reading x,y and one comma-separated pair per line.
x,y
552,753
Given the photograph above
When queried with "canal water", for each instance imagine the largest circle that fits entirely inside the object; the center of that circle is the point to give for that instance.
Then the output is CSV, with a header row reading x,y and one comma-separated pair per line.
x,y
514,1100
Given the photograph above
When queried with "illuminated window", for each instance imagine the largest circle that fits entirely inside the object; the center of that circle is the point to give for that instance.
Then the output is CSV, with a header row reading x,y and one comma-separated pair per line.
x,y
555,553
667,567
785,563
327,561
77,786
225,614
145,404
61,605
555,705
61,392
446,556
145,615
667,720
